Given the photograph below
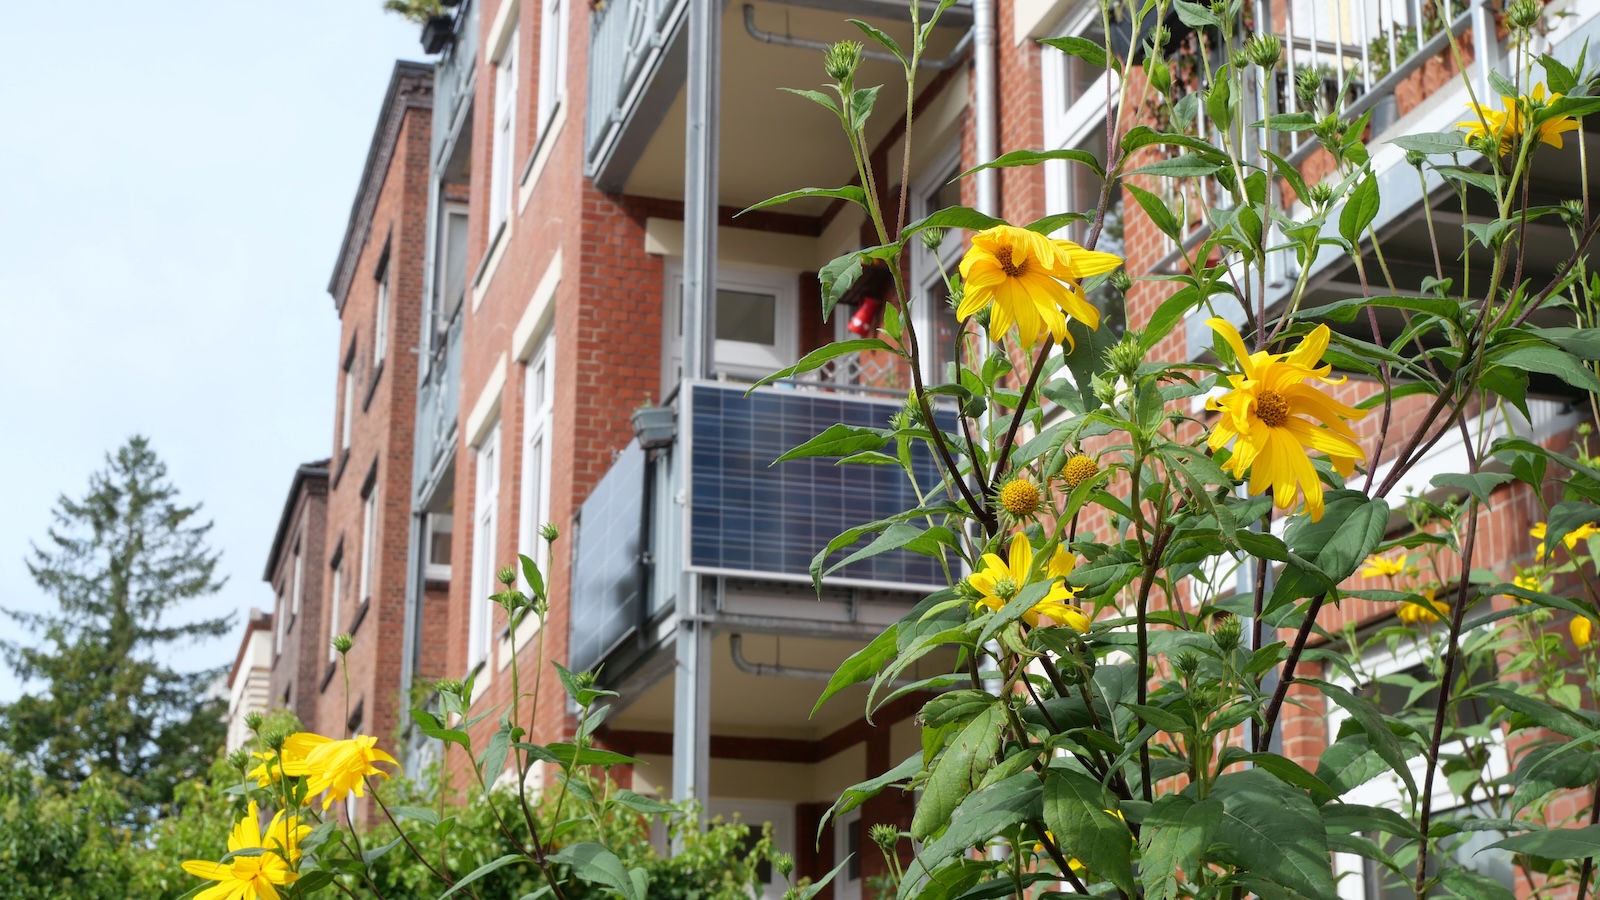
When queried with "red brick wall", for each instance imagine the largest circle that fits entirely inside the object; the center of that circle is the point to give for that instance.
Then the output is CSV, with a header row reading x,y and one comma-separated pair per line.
x,y
297,665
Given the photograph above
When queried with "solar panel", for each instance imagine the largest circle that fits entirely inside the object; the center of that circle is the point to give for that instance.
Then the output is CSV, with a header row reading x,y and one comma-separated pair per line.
x,y
749,516
607,592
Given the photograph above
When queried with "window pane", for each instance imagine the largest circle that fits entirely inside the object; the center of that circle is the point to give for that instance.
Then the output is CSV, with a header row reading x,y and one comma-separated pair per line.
x,y
748,317
1078,75
440,534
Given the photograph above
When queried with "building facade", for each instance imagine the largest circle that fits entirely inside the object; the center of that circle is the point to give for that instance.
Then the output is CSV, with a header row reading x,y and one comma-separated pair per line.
x,y
548,221
293,571
248,681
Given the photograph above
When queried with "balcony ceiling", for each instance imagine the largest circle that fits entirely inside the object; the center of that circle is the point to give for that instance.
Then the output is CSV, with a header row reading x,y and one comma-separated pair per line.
x,y
772,141
748,705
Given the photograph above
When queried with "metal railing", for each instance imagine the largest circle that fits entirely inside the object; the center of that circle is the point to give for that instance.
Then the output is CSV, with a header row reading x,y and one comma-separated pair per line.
x,y
626,40
438,404
453,73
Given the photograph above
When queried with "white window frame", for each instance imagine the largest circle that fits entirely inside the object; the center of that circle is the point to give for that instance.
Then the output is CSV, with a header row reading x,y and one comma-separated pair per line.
x,y
552,61
369,538
333,606
757,814
845,887
433,571
538,416
926,273
1387,790
445,306
346,427
486,502
740,359
504,145
297,589
380,318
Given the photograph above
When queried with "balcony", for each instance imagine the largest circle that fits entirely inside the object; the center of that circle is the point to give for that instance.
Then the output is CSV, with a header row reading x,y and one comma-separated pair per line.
x,y
715,506
438,405
454,78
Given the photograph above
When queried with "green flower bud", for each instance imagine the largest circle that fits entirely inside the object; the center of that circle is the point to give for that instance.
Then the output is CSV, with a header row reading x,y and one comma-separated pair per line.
x,y
1307,84
1121,280
933,238
239,759
342,643
549,532
507,576
1321,195
885,836
450,686
1415,158
1524,14
253,721
1263,50
1187,663
841,60
1125,357
1228,632
784,863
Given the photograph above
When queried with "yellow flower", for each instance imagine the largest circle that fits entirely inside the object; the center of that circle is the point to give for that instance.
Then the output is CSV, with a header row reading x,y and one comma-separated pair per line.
x,y
1582,631
1000,580
1079,468
1031,280
1264,413
1383,567
250,877
1019,497
270,770
1582,533
337,767
1417,613
1508,126
1527,583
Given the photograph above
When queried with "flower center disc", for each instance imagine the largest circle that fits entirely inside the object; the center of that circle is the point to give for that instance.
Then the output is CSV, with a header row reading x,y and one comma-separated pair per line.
x,y
1272,409
1004,256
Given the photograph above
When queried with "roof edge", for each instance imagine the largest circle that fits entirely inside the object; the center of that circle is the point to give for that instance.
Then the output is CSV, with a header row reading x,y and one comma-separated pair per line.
x,y
305,471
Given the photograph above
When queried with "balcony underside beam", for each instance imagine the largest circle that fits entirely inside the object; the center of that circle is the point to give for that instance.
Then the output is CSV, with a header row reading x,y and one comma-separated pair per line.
x,y
958,16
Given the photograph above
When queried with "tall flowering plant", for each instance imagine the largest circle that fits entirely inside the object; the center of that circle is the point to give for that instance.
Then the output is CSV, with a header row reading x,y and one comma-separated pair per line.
x,y
1153,559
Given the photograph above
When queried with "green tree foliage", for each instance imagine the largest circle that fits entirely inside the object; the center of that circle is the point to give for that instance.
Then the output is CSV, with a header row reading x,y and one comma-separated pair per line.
x,y
119,563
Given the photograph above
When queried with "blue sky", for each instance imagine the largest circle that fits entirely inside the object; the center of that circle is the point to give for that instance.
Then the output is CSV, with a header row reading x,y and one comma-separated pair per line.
x,y
174,183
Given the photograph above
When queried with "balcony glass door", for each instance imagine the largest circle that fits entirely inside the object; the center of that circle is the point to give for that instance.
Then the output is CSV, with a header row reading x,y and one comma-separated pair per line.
x,y
756,324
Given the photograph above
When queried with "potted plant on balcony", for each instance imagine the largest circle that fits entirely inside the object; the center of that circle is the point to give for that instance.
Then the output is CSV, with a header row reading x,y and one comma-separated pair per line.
x,y
655,426
437,24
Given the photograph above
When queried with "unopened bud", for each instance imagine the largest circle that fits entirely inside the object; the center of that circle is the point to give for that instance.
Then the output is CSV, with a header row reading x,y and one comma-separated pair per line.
x,y
253,721
1415,158
885,836
1228,633
342,643
239,759
1524,14
1321,194
549,532
1307,84
1330,129
1125,358
841,60
784,863
1187,663
274,738
1121,280
450,686
1263,50
933,238
507,576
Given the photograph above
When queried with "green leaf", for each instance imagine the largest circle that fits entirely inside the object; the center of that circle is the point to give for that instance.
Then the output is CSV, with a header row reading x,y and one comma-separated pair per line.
x,y
1189,165
641,804
822,356
373,854
595,864
849,192
420,813
1174,834
872,31
1351,527
1469,885
1075,809
1195,16
1274,832
957,771
1091,52
494,757
816,97
1557,843
857,794
1433,143
836,278
982,815
1051,224
1480,485
1359,210
1349,309
861,665
1035,157
483,870
1556,718
953,217
899,536
1548,359
861,109
1156,210
838,440
1374,723
531,574
1354,818
589,756
1172,310
1349,763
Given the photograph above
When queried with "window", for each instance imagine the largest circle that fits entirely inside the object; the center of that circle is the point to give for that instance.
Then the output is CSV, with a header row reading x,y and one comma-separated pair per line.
x,y
380,324
1397,683
847,842
936,326
755,323
485,507
505,131
369,536
348,404
552,60
440,540
537,407
280,615
1075,96
335,596
297,588
450,269
759,814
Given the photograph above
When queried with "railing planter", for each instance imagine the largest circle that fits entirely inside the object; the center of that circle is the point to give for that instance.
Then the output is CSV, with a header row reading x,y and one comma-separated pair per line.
x,y
656,427
436,33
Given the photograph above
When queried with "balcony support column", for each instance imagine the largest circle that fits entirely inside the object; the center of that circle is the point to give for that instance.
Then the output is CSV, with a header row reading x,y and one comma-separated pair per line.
x,y
691,702
700,182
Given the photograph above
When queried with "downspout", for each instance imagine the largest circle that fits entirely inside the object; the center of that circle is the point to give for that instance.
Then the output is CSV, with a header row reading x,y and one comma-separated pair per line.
x,y
984,103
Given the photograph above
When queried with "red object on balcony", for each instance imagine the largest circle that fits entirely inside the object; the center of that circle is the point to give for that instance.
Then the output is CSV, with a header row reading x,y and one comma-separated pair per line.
x,y
865,321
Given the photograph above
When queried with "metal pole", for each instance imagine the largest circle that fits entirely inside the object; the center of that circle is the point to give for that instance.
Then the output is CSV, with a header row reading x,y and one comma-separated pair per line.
x,y
691,708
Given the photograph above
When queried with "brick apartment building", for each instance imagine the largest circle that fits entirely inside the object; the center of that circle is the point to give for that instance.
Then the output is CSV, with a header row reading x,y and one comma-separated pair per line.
x,y
533,224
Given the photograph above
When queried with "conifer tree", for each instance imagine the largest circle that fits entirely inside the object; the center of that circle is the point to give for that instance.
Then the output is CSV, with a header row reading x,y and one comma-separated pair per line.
x,y
103,693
